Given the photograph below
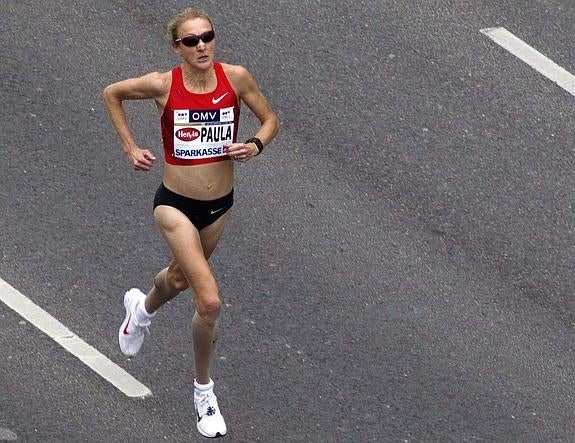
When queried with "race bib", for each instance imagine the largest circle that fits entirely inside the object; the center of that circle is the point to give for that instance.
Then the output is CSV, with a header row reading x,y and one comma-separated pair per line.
x,y
202,134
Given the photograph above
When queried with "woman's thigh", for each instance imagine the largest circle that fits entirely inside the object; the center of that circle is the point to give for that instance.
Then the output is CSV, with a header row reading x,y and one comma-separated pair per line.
x,y
185,243
210,235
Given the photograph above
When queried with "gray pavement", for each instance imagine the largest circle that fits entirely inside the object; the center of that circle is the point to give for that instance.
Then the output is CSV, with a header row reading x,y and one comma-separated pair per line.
x,y
399,264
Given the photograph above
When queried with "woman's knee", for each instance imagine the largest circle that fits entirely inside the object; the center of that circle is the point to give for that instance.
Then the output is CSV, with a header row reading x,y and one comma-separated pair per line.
x,y
208,307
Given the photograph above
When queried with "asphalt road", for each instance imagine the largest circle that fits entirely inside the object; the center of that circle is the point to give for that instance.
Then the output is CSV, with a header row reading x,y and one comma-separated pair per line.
x,y
399,264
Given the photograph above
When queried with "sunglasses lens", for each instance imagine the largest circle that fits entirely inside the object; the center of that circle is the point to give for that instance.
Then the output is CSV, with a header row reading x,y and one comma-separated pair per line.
x,y
207,36
190,41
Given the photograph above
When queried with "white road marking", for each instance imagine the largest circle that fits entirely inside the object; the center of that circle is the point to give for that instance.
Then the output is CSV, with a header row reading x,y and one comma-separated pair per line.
x,y
532,57
71,342
7,435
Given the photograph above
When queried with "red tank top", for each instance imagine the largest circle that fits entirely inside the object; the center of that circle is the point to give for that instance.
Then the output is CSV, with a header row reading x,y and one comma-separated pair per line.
x,y
195,127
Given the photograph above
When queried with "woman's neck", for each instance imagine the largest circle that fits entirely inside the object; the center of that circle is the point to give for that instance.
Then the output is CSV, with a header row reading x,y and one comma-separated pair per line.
x,y
200,80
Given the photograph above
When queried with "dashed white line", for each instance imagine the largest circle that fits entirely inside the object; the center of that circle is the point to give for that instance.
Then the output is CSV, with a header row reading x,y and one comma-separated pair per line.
x,y
96,361
532,57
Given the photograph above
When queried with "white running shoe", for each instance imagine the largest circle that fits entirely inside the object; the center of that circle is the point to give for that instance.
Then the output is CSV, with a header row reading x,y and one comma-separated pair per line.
x,y
210,420
131,334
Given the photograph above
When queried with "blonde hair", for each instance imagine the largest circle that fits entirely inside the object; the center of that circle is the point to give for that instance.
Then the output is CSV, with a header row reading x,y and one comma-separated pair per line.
x,y
185,15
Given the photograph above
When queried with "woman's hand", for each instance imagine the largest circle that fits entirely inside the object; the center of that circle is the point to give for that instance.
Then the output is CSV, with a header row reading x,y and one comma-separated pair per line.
x,y
141,159
241,152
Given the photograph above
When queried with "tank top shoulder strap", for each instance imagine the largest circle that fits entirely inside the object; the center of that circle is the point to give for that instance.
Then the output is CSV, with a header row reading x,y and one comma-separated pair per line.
x,y
177,78
221,76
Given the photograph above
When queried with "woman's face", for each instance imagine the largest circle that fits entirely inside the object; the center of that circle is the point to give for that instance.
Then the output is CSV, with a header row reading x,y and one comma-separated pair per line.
x,y
200,56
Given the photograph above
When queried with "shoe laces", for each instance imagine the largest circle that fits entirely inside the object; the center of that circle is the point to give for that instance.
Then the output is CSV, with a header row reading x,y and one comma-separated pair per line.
x,y
207,403
137,328
144,330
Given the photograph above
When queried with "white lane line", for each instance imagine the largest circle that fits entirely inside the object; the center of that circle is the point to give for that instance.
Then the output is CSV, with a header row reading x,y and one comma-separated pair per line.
x,y
96,361
7,435
532,57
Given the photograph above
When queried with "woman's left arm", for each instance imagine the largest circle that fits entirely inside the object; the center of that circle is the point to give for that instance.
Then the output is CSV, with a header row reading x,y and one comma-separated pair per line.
x,y
249,92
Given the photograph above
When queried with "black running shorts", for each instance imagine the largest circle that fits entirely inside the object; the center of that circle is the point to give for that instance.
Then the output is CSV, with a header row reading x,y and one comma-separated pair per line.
x,y
201,213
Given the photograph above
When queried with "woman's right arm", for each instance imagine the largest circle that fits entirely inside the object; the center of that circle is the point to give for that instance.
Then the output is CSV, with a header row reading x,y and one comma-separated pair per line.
x,y
151,86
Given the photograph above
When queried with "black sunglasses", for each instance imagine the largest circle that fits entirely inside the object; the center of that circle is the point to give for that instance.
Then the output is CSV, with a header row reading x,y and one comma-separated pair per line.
x,y
193,40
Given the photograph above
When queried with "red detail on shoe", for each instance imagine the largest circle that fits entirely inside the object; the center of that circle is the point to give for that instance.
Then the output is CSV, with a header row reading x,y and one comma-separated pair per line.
x,y
127,323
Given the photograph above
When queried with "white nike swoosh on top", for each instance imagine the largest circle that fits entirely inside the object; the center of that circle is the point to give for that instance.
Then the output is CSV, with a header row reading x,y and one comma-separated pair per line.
x,y
216,211
215,101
